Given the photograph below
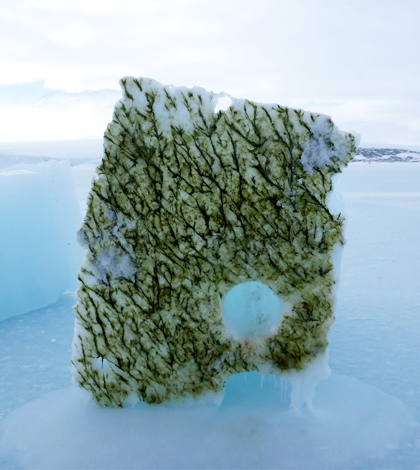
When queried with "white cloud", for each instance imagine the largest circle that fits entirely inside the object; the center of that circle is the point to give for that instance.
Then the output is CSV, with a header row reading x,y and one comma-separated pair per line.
x,y
59,116
363,54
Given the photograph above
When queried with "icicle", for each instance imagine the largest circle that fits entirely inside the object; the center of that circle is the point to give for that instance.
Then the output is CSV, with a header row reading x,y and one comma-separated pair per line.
x,y
304,382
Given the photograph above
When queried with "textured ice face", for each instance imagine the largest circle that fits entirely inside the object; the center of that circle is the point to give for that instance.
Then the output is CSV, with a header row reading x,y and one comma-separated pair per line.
x,y
189,203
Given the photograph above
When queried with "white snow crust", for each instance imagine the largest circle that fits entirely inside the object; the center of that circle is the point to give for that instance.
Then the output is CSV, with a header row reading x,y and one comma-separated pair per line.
x,y
326,142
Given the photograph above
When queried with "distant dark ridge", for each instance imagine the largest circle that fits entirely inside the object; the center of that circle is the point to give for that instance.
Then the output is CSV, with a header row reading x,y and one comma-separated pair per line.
x,y
80,151
386,155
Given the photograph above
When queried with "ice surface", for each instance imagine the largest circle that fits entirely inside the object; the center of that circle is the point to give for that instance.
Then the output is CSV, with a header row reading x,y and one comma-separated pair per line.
x,y
377,329
39,254
64,431
35,350
375,339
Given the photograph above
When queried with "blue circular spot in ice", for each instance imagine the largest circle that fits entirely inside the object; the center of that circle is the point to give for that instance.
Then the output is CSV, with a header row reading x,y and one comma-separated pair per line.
x,y
252,310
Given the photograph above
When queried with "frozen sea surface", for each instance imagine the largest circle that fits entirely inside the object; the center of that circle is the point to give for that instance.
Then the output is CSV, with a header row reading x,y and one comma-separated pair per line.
x,y
376,336
375,339
35,353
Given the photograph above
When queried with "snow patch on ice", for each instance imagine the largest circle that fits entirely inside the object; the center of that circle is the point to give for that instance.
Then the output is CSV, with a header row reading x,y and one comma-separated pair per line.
x,y
112,262
325,142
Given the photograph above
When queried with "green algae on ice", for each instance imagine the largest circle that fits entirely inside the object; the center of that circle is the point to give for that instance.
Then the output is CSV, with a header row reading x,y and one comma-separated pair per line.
x,y
187,204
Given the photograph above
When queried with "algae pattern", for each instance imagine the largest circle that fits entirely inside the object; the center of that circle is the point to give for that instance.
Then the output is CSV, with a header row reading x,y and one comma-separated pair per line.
x,y
187,204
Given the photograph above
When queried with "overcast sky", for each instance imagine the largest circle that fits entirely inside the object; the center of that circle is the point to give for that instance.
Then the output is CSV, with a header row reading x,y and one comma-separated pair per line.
x,y
356,60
